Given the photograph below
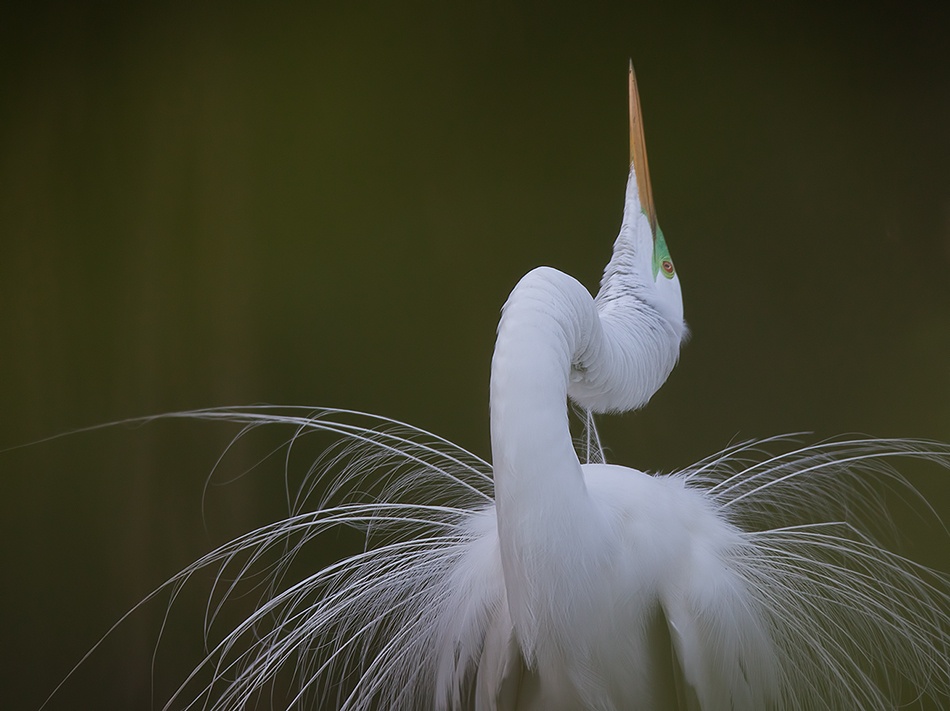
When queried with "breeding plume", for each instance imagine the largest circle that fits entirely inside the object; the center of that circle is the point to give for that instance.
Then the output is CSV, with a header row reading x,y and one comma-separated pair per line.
x,y
747,581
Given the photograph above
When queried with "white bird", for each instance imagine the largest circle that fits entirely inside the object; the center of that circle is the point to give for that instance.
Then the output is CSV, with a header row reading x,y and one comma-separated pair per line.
x,y
746,581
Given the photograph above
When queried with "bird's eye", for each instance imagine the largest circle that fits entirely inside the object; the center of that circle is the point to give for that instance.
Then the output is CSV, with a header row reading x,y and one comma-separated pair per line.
x,y
667,267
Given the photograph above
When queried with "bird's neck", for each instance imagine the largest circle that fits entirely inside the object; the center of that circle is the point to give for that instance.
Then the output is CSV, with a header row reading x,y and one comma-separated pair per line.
x,y
547,319
540,495
553,340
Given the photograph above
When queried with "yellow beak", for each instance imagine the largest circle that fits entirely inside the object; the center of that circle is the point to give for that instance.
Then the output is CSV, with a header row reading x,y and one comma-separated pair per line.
x,y
638,152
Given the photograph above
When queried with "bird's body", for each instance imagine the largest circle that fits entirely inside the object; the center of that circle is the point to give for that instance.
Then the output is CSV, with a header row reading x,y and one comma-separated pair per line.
x,y
747,581
608,625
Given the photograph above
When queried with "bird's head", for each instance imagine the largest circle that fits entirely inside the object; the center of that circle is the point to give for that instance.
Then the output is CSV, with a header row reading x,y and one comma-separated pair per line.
x,y
641,266
639,304
642,258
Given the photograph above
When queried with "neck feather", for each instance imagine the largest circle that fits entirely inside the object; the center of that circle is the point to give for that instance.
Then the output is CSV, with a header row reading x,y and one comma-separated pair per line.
x,y
554,341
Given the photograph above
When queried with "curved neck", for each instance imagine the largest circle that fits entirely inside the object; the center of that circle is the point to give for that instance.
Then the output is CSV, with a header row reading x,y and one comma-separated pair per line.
x,y
547,320
554,340
540,495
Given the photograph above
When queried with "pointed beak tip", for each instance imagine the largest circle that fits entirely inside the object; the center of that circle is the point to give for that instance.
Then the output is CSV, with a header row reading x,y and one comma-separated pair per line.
x,y
638,150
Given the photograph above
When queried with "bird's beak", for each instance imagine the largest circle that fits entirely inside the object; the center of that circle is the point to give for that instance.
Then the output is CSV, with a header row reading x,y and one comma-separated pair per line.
x,y
638,153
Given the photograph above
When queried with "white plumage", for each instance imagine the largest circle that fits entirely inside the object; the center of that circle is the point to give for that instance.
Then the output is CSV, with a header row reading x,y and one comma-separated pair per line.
x,y
748,581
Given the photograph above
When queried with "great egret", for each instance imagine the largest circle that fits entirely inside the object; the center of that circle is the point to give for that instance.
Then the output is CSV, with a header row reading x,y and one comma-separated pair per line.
x,y
746,581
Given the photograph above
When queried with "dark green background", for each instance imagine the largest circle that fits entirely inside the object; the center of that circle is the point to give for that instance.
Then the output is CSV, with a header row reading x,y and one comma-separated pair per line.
x,y
328,206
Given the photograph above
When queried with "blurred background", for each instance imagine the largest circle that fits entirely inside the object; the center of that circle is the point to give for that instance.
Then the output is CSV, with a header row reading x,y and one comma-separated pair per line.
x,y
327,205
